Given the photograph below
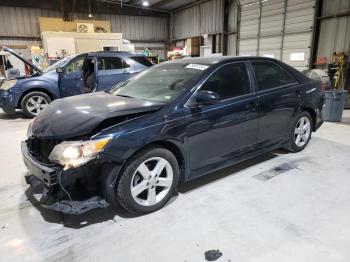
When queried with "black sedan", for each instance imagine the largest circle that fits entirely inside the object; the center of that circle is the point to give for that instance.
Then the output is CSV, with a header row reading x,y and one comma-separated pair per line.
x,y
176,121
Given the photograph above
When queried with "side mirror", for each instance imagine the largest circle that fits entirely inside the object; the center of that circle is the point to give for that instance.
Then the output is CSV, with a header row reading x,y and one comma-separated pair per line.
x,y
59,70
205,97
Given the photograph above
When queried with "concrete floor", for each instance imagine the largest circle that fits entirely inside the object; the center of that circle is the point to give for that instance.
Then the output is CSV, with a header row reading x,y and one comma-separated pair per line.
x,y
302,213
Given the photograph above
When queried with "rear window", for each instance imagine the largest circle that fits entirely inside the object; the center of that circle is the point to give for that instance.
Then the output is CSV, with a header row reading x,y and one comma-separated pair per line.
x,y
111,63
141,60
270,75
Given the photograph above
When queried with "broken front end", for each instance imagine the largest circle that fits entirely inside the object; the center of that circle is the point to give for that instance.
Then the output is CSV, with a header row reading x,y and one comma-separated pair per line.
x,y
77,181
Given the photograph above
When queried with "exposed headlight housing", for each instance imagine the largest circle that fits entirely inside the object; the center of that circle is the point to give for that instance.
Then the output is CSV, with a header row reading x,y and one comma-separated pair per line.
x,y
8,84
72,154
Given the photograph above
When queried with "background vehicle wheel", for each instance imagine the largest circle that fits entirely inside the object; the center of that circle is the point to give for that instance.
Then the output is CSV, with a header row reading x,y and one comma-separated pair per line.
x,y
148,181
34,102
300,133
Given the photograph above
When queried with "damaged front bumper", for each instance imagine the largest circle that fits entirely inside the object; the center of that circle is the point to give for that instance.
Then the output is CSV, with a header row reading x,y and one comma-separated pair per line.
x,y
72,191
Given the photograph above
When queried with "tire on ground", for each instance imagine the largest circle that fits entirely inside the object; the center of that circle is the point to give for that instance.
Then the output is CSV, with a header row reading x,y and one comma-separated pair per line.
x,y
28,96
292,146
122,191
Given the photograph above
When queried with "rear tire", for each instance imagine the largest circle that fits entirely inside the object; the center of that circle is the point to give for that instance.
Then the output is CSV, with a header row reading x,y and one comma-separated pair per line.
x,y
300,132
34,102
148,181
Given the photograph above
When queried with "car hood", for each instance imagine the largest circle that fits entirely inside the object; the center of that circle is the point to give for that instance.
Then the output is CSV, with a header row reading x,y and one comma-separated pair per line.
x,y
22,59
80,115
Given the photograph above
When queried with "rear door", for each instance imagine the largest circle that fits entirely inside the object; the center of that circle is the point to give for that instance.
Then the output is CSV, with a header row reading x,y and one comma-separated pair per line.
x,y
111,71
220,132
279,98
70,81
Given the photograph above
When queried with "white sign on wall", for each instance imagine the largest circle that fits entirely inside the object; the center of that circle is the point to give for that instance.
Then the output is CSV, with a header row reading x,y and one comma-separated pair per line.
x,y
269,55
300,56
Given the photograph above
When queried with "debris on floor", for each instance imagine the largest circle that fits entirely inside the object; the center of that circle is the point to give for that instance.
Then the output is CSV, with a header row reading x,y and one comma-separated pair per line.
x,y
212,255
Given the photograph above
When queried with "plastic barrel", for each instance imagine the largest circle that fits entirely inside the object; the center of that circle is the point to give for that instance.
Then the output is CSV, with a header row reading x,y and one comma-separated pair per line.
x,y
334,105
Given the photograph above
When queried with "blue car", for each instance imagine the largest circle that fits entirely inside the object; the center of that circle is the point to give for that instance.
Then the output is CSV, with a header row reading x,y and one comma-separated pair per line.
x,y
73,75
175,121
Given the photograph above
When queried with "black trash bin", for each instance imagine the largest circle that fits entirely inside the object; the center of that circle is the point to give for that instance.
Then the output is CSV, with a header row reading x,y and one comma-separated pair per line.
x,y
334,105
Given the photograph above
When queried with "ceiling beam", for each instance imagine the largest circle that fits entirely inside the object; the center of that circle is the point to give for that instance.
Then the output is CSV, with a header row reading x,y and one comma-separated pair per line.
x,y
97,6
134,2
161,3
189,5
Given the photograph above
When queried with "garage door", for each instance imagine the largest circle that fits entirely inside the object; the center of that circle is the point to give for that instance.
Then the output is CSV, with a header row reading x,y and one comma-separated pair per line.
x,y
277,28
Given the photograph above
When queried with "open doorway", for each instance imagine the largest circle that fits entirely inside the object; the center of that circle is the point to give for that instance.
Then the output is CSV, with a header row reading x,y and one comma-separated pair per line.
x,y
89,75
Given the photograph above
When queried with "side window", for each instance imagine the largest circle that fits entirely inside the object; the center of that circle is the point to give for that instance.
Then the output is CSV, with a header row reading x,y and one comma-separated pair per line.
x,y
229,81
141,60
270,75
75,65
110,63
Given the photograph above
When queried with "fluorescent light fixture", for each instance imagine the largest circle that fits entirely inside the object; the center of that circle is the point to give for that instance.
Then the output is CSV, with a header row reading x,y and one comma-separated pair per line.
x,y
145,3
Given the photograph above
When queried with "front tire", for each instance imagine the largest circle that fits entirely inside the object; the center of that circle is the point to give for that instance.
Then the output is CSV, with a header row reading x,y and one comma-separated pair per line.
x,y
148,181
300,133
34,102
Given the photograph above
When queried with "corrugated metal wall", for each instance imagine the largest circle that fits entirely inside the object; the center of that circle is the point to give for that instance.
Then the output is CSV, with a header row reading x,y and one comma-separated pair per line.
x,y
206,18
277,28
334,32
23,22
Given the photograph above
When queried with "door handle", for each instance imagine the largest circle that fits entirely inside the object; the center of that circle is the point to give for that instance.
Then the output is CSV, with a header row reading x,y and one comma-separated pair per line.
x,y
253,106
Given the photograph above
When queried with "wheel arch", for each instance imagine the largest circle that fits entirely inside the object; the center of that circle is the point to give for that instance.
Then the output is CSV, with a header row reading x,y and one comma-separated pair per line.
x,y
313,116
173,148
36,89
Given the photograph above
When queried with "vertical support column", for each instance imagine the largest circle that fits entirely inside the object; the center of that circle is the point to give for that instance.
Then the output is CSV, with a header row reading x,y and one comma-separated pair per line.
x,y
315,33
259,29
226,12
238,26
283,32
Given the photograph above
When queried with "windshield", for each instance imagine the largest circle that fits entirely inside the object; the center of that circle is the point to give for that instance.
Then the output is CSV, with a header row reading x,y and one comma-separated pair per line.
x,y
161,83
56,65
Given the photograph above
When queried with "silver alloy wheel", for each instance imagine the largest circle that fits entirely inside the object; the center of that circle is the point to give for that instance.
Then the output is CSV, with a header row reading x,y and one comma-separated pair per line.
x,y
151,181
302,131
36,104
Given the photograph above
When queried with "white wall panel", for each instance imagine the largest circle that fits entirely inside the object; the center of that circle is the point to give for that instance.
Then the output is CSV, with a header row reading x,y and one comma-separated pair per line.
x,y
231,44
248,47
249,23
277,28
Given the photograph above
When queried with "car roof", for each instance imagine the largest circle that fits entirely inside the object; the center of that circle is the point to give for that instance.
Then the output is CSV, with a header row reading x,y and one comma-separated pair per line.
x,y
216,59
112,53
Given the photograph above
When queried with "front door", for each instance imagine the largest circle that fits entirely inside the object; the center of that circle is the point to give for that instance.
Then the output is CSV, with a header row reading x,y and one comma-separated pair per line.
x,y
218,133
70,81
279,97
111,71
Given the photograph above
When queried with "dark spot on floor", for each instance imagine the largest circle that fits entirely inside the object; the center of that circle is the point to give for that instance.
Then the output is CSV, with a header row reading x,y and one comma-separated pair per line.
x,y
270,173
212,255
